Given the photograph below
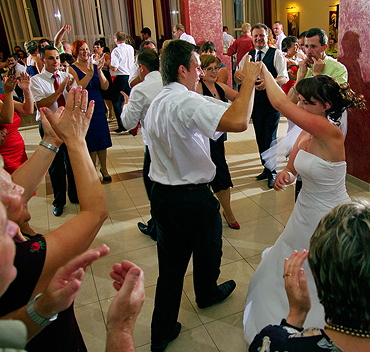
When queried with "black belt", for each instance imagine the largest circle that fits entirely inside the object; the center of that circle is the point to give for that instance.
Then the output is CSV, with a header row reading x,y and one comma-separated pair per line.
x,y
190,186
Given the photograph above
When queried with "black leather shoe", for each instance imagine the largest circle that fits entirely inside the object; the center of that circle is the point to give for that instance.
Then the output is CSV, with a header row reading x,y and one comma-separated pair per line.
x,y
57,211
143,228
163,345
271,180
270,183
224,291
262,176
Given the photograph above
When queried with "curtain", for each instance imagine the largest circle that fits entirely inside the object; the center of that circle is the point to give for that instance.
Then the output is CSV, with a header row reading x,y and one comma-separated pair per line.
x,y
138,18
114,13
15,22
81,15
254,11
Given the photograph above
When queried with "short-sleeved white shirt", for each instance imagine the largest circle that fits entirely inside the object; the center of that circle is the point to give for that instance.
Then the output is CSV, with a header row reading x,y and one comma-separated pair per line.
x,y
122,57
141,96
179,124
42,86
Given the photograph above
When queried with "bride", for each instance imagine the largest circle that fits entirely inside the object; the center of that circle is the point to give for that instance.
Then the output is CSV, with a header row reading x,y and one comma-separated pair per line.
x,y
319,157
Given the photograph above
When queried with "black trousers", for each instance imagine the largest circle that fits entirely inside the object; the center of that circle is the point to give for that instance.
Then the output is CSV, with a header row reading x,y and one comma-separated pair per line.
x,y
58,170
188,223
120,84
148,183
265,122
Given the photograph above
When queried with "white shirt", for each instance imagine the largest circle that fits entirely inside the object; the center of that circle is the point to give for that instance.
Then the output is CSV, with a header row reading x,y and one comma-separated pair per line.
x,y
179,124
187,37
227,39
279,62
122,57
19,68
42,86
140,98
279,39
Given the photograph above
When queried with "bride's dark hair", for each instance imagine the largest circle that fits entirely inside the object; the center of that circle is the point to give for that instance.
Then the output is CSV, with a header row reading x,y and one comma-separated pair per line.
x,y
327,90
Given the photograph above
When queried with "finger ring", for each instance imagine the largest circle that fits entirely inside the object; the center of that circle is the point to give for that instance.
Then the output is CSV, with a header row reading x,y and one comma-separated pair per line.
x,y
83,110
287,274
76,107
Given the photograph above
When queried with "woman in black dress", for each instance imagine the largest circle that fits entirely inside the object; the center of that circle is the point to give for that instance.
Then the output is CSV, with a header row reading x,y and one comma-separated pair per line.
x,y
221,184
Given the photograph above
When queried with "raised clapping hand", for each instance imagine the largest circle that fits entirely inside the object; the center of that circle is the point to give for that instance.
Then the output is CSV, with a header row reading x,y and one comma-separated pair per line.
x,y
66,283
72,121
24,81
296,288
9,83
126,305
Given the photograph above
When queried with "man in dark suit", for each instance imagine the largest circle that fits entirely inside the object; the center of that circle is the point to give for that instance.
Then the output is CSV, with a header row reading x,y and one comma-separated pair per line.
x,y
265,117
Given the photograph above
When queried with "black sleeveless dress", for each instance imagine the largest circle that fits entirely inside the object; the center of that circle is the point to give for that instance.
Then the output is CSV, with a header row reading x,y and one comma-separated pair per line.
x,y
222,180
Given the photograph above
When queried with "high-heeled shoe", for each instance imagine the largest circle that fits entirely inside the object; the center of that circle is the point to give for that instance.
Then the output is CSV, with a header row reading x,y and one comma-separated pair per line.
x,y
235,225
106,178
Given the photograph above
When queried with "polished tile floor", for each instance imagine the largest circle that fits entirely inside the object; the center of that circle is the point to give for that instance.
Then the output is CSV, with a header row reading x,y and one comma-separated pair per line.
x,y
262,214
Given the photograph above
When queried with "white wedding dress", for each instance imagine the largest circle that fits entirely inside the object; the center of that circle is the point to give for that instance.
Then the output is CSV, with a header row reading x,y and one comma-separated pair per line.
x,y
323,189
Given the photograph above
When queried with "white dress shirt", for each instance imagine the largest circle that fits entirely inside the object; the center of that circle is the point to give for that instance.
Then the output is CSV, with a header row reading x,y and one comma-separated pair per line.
x,y
122,57
227,39
42,86
140,98
279,40
179,124
187,37
279,62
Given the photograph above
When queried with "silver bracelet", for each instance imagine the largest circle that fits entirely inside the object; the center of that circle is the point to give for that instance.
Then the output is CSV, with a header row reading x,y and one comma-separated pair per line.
x,y
49,146
36,317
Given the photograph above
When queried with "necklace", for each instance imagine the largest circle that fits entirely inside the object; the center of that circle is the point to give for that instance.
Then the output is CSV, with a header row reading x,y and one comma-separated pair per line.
x,y
348,331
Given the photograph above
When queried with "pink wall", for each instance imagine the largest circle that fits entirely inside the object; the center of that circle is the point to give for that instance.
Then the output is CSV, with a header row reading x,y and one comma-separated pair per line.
x,y
203,20
354,44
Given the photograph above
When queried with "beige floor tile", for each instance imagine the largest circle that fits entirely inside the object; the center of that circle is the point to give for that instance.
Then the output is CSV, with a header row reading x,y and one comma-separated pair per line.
x,y
145,258
254,236
88,293
227,333
92,326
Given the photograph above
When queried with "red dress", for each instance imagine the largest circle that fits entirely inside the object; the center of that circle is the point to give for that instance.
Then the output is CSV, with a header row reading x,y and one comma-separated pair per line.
x,y
13,150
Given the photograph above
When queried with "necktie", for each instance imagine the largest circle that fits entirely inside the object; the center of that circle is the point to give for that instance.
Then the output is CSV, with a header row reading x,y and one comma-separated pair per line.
x,y
60,101
259,55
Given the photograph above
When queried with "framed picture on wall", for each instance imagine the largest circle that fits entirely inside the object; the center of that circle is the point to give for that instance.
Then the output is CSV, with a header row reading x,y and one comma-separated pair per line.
x,y
333,25
293,23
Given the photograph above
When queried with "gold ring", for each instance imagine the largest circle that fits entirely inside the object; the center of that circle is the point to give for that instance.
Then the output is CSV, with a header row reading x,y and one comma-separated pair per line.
x,y
287,274
76,107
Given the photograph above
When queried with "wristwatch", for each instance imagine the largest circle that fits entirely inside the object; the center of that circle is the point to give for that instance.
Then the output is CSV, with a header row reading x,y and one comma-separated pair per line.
x,y
35,317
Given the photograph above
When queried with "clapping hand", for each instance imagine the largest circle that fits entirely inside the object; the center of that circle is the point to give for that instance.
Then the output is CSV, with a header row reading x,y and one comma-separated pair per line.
x,y
126,305
72,121
296,288
66,283
9,83
24,81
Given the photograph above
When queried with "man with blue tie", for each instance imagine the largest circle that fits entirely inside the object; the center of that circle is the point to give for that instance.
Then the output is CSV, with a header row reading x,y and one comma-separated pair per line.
x,y
265,117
